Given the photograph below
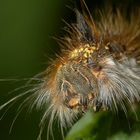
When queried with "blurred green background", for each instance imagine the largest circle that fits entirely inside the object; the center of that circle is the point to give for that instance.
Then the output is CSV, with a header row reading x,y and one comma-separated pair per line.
x,y
26,30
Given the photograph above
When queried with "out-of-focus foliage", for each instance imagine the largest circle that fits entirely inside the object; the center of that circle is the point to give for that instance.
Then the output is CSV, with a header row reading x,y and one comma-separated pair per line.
x,y
26,31
106,126
90,127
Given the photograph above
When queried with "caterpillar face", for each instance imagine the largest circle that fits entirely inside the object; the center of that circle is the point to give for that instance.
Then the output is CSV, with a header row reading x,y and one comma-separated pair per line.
x,y
77,79
93,77
100,69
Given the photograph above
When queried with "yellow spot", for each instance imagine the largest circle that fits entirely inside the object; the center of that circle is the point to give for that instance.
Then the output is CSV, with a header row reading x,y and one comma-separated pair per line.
x,y
88,51
81,49
87,45
94,48
84,51
106,47
85,55
75,51
73,102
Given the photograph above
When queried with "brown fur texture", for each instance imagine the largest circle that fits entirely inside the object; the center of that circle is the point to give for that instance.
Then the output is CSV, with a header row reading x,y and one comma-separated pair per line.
x,y
99,67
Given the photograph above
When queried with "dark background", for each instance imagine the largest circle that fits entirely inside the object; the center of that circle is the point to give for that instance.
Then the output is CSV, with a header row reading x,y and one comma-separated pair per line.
x,y
26,30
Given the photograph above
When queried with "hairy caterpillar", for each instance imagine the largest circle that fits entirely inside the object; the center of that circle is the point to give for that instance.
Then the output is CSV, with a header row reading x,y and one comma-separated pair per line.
x,y
98,68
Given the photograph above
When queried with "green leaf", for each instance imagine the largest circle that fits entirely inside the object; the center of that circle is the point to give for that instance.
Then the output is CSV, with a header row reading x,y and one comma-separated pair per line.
x,y
88,127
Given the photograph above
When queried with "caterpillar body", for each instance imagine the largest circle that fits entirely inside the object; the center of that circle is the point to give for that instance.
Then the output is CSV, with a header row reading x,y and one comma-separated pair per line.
x,y
99,68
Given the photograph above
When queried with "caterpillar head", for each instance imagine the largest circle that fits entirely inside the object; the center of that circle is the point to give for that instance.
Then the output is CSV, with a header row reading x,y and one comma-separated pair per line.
x,y
98,70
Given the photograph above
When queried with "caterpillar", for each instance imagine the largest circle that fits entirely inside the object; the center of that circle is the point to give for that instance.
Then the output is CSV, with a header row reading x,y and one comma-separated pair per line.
x,y
99,68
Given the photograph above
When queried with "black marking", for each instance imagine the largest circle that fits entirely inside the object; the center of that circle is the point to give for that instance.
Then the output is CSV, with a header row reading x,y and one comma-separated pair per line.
x,y
84,28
